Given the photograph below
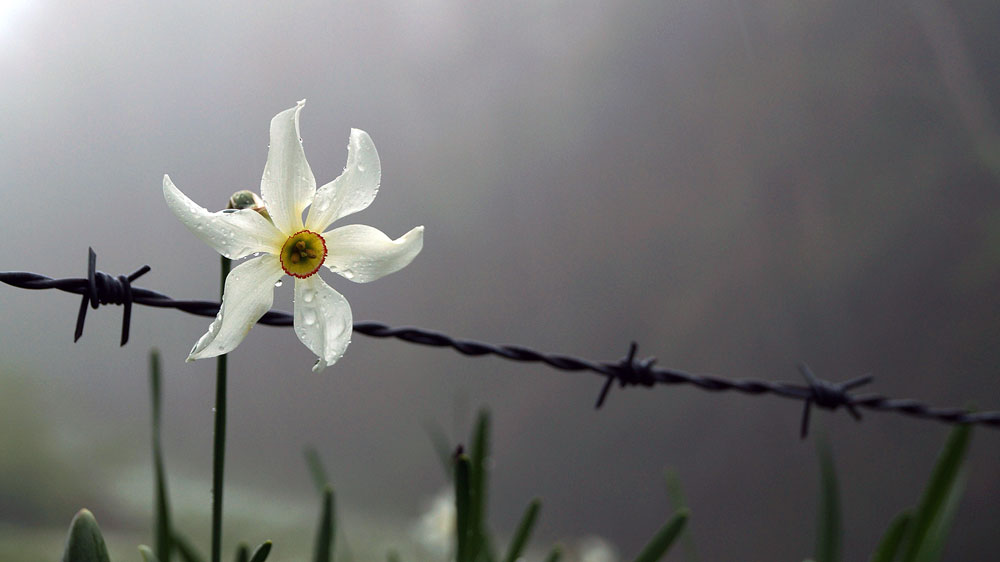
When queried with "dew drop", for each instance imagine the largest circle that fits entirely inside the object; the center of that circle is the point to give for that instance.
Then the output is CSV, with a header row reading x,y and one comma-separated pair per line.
x,y
309,317
347,273
361,168
307,296
278,283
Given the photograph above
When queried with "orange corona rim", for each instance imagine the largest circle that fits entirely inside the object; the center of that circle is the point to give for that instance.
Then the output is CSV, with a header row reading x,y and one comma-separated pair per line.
x,y
303,254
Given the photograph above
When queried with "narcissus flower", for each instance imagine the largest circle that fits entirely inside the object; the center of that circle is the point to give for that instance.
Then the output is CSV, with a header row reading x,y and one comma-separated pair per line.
x,y
286,244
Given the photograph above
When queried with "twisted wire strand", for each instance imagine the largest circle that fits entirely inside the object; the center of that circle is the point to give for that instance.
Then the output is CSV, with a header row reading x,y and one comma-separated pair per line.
x,y
100,288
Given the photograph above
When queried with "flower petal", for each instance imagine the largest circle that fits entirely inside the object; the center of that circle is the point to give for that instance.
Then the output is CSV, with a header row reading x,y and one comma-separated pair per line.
x,y
362,253
323,320
234,234
288,184
353,190
248,295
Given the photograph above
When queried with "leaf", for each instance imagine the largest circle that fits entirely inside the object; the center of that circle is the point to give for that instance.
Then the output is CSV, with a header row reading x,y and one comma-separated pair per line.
x,y
892,539
664,538
462,523
939,488
828,532
323,551
478,479
147,554
442,445
186,550
163,543
677,502
85,542
316,469
523,532
555,554
260,555
242,553
937,535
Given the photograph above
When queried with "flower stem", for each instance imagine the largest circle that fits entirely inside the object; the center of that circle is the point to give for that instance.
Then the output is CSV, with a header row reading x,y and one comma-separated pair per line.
x,y
219,442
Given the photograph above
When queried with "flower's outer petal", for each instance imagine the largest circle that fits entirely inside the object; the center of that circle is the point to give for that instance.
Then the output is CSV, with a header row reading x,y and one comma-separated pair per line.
x,y
234,234
323,320
248,295
288,184
353,190
362,253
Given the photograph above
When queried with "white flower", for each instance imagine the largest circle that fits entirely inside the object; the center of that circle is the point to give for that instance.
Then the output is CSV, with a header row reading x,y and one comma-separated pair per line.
x,y
286,244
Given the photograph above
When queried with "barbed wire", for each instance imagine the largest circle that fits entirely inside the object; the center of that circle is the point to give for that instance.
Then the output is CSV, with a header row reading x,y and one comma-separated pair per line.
x,y
100,288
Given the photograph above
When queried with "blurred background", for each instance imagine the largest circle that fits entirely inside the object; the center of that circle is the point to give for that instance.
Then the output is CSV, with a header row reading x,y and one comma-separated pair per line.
x,y
737,186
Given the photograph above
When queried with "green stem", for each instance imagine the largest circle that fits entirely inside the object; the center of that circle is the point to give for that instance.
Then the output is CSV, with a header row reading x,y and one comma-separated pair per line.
x,y
219,442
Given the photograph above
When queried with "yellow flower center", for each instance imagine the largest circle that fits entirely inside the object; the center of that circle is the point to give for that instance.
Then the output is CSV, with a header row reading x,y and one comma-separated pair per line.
x,y
303,254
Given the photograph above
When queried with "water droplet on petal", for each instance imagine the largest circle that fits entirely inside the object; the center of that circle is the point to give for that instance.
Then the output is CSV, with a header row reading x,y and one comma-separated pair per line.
x,y
309,317
278,283
307,296
347,273
361,168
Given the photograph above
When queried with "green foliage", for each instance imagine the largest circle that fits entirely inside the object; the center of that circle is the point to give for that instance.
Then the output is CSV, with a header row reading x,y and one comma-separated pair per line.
x,y
555,554
925,534
917,535
316,469
186,549
523,532
677,502
323,550
164,544
829,530
85,542
664,538
260,555
147,554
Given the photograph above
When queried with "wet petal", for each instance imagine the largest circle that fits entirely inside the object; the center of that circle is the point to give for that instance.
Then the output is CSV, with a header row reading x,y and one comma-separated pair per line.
x,y
362,253
323,320
353,190
288,184
248,295
235,234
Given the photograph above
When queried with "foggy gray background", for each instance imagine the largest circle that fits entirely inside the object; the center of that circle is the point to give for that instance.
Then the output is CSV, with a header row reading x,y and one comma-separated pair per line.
x,y
737,186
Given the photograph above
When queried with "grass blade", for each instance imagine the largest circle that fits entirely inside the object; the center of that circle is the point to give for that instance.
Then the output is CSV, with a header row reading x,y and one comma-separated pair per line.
x,y
478,478
186,550
892,539
147,554
664,538
939,488
260,555
442,445
316,469
937,535
324,535
85,542
462,523
163,534
677,502
555,554
523,532
829,532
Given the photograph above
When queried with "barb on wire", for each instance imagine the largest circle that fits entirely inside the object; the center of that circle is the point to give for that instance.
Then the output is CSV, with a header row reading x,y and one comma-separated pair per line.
x,y
100,288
